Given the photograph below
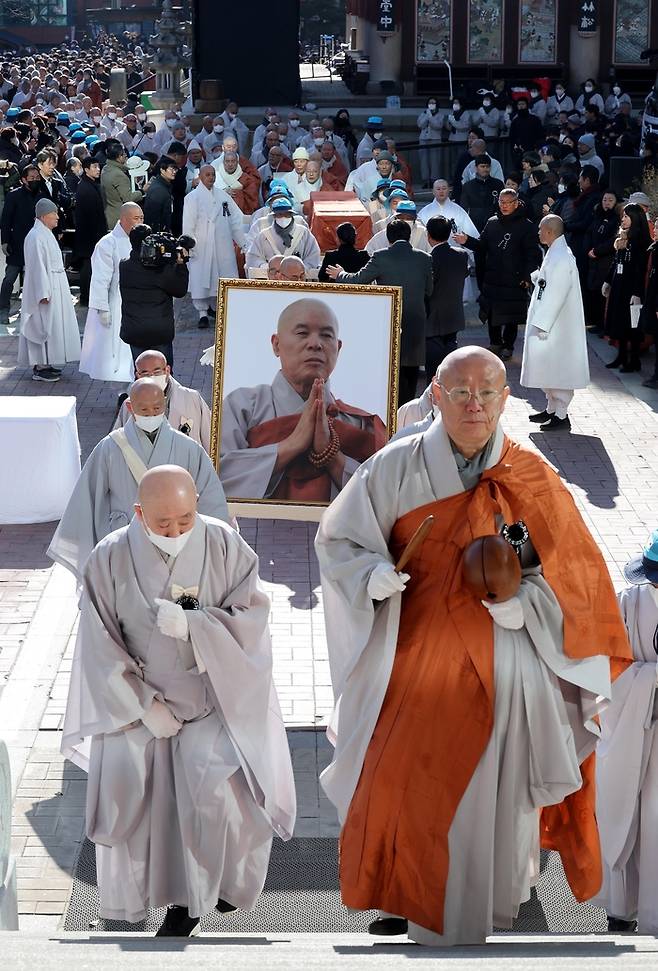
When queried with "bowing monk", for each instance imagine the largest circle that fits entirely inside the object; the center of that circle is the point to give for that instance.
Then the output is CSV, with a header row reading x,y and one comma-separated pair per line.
x,y
464,730
293,439
172,711
104,495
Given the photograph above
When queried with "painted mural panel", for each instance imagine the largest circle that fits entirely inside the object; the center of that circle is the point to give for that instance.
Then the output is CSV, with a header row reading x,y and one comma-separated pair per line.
x,y
631,30
538,30
434,19
485,31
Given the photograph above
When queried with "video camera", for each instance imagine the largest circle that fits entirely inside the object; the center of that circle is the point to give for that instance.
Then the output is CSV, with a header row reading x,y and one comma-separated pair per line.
x,y
162,249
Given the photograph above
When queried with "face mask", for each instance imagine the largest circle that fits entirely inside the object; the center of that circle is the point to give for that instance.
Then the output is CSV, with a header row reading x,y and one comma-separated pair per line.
x,y
283,222
112,115
171,122
486,103
318,141
294,123
561,188
588,88
141,116
149,423
271,118
231,115
456,106
218,129
432,106
617,91
171,545
161,381
534,94
33,186
377,135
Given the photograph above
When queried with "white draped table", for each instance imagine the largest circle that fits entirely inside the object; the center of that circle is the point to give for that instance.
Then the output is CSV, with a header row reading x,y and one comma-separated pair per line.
x,y
41,457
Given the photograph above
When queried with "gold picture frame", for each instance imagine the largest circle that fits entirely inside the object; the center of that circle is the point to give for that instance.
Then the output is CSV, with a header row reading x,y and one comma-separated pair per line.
x,y
235,322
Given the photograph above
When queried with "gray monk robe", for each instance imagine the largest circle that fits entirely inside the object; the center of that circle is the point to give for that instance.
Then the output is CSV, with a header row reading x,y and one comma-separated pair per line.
x,y
255,420
188,819
106,491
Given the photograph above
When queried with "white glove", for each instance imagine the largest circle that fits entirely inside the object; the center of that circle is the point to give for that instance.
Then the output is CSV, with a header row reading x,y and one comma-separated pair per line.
x,y
508,614
635,301
384,581
171,620
208,356
104,317
605,289
160,721
542,335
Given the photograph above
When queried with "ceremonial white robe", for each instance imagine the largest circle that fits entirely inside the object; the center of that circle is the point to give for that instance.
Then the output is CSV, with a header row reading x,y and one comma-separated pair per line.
x,y
49,331
268,243
627,775
416,409
248,473
105,357
559,361
184,407
187,819
418,240
363,180
263,219
216,223
545,702
451,211
105,493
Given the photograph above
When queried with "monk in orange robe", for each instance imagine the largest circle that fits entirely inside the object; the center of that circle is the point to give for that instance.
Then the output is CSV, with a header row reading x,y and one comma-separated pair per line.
x,y
464,730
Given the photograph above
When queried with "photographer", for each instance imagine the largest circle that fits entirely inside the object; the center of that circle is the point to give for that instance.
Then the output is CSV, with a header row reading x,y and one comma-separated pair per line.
x,y
147,289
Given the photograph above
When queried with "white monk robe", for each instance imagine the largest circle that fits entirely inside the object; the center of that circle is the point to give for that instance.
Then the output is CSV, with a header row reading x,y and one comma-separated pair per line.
x,y
363,180
105,493
248,472
186,412
214,220
269,243
105,357
49,331
264,219
188,819
418,239
627,774
494,836
558,362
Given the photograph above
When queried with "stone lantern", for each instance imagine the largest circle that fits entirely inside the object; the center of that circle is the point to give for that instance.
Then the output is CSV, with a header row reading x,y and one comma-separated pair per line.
x,y
168,61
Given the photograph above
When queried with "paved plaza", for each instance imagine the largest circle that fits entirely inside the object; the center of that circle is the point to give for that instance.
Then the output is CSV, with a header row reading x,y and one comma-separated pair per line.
x,y
610,464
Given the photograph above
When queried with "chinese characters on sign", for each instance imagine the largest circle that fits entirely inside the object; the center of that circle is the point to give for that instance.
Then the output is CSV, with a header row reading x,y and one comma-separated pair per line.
x,y
588,16
386,16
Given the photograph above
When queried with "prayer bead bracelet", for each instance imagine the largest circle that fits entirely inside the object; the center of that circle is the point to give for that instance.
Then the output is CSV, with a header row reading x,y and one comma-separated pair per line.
x,y
320,459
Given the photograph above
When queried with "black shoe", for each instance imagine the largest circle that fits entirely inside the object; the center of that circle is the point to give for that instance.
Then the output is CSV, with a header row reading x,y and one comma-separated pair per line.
x,y
556,425
388,926
45,374
495,348
618,926
539,417
56,370
651,383
203,323
633,365
618,361
178,923
593,329
224,907
506,353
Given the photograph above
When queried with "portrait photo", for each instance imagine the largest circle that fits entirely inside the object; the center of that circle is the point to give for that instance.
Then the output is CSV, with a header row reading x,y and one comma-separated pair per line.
x,y
305,387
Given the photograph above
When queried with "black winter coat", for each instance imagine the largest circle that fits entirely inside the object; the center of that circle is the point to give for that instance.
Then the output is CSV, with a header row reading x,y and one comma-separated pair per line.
x,y
577,225
147,305
648,318
90,224
480,199
599,237
623,286
348,257
17,220
157,205
506,254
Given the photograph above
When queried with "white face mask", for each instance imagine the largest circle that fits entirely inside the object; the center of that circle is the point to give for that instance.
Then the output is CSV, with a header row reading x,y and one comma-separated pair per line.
x,y
171,122
561,188
616,90
432,105
487,103
318,141
112,115
231,115
588,88
141,116
294,122
534,94
456,106
283,222
377,135
171,545
149,423
161,381
218,129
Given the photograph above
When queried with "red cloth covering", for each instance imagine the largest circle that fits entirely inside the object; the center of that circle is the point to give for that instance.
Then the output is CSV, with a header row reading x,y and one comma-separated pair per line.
x,y
329,209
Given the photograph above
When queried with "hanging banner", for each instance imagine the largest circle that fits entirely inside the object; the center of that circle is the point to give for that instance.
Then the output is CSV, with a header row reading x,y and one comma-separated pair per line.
x,y
588,16
386,16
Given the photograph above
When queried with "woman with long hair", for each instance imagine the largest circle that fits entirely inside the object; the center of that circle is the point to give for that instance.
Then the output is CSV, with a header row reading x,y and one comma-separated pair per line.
x,y
625,286
599,240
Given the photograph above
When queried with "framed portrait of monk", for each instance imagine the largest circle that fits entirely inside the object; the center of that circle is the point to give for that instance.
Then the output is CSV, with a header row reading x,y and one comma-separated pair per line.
x,y
304,391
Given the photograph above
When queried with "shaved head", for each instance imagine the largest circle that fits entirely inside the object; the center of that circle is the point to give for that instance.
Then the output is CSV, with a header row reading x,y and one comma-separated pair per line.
x,y
167,500
550,228
469,372
292,268
306,342
151,364
146,397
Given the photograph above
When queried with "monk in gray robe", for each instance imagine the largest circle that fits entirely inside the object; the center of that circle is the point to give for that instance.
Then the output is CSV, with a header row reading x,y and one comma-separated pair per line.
x,y
185,409
105,493
292,439
172,711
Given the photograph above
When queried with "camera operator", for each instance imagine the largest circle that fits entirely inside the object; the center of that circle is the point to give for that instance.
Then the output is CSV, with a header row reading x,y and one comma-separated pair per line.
x,y
148,286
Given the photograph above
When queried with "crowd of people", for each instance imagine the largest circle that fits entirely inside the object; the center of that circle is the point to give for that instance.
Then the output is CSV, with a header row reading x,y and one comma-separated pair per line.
x,y
470,705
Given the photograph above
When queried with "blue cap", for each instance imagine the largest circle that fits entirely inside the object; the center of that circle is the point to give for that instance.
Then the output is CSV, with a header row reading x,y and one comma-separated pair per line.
x,y
281,205
91,140
63,118
644,568
78,137
399,184
13,113
75,126
383,182
398,194
280,190
407,206
375,120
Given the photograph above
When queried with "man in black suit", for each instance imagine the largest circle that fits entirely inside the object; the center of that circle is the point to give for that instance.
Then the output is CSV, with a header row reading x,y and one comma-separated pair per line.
x,y
446,307
400,266
90,222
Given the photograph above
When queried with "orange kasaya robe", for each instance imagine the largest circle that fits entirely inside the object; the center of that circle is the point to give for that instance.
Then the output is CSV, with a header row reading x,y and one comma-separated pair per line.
x,y
437,716
302,481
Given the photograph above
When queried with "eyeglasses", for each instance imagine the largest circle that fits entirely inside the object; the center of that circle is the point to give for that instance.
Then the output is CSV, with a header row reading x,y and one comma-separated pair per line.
x,y
462,396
